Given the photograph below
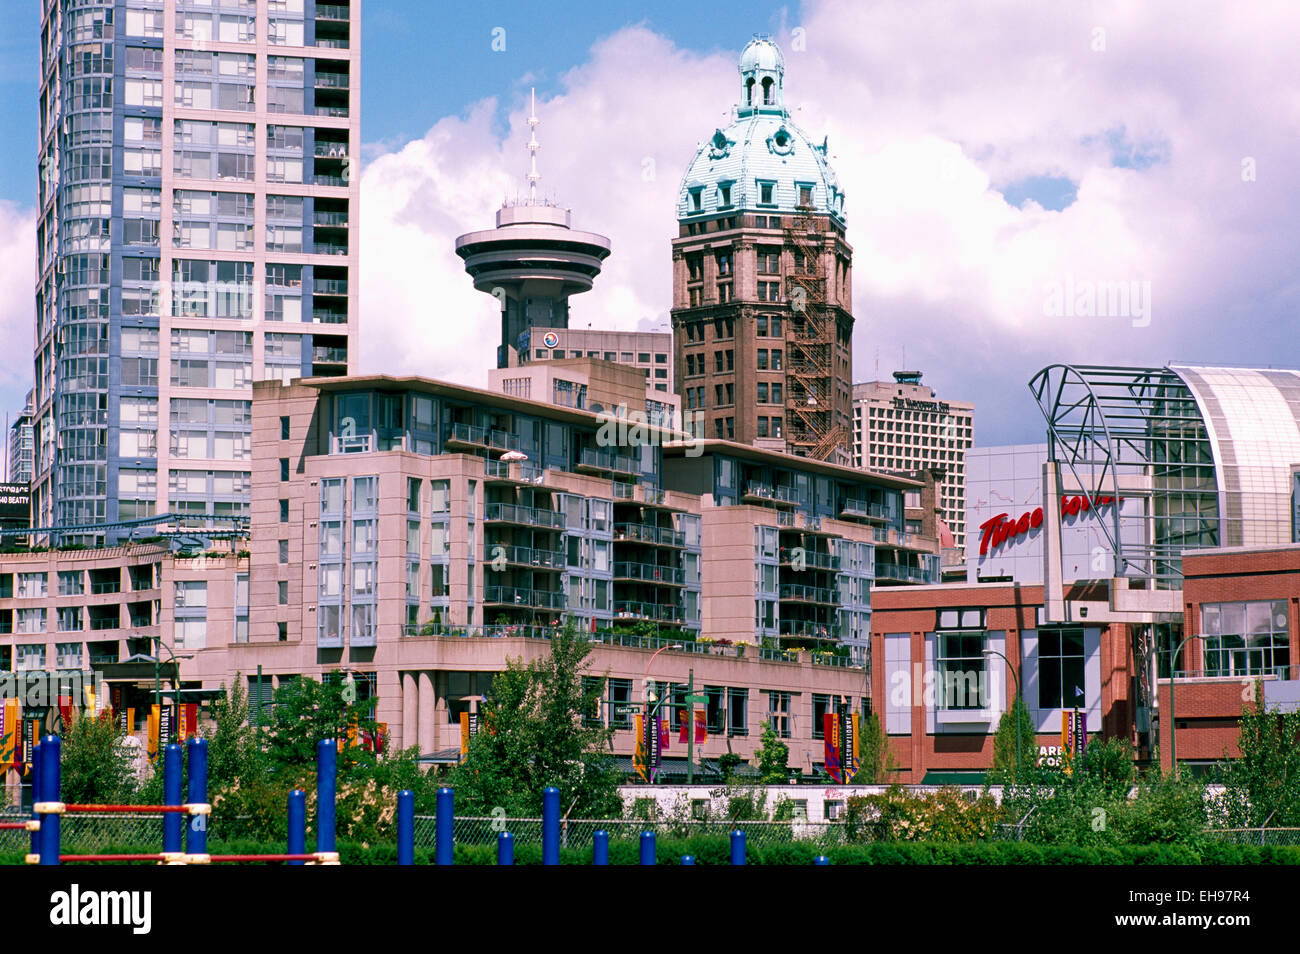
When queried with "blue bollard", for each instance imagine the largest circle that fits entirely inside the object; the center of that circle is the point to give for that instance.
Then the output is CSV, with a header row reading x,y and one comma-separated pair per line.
x,y
297,824
600,847
406,827
505,848
688,860
821,860
327,753
36,795
50,793
443,852
647,848
737,847
173,823
550,826
196,833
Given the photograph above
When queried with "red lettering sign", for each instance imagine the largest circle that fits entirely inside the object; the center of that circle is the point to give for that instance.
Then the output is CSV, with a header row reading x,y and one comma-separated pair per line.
x,y
999,529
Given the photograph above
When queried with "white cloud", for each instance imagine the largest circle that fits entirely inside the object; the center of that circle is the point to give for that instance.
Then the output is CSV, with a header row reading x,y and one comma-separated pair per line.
x,y
931,108
17,308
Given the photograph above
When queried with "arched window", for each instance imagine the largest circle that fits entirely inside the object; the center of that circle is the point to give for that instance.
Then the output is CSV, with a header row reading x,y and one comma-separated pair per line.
x,y
749,91
767,91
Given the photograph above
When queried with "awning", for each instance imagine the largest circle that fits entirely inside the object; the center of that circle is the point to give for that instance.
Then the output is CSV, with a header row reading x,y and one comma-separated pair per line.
x,y
955,777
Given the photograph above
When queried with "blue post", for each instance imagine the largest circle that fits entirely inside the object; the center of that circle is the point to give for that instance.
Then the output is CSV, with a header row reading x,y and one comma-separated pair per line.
x,y
550,825
406,827
737,847
327,751
688,860
821,860
196,834
36,795
50,793
297,824
647,848
442,851
505,848
173,823
600,847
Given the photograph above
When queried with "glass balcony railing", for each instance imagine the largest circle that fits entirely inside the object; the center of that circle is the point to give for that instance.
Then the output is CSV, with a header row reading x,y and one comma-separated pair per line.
x,y
798,593
649,573
329,219
768,492
527,516
330,286
799,556
321,354
644,533
330,150
494,438
525,556
597,459
863,508
521,470
332,11
515,596
661,612
332,80
903,574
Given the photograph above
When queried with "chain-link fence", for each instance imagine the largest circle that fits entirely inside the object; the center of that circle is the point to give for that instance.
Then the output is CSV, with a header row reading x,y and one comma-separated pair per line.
x,y
90,833
577,833
1256,836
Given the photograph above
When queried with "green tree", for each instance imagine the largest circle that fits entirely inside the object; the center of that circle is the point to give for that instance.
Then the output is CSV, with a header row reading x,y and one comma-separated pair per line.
x,y
96,764
1263,785
534,735
875,758
1005,752
234,750
306,711
773,758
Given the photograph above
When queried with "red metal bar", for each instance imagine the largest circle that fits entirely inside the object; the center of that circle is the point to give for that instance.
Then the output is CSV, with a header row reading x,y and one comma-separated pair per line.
x,y
239,858
110,857
13,826
124,809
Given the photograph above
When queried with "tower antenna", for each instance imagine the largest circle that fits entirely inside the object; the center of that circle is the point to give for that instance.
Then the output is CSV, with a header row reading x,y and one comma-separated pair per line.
x,y
533,175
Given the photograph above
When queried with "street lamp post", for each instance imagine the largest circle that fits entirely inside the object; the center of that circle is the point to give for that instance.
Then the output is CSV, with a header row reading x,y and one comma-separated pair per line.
x,y
650,712
1014,675
1173,722
176,689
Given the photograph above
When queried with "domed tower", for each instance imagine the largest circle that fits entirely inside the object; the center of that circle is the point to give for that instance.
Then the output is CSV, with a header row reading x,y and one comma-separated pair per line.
x,y
762,275
532,261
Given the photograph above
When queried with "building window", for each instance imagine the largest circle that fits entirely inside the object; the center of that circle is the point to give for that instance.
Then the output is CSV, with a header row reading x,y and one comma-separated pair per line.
x,y
1060,669
284,511
778,713
620,699
737,711
284,469
284,428
766,190
284,592
283,546
1245,639
960,664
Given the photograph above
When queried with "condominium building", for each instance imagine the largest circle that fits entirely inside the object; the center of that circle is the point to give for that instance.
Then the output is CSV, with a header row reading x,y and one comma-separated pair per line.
x,y
902,425
762,279
22,446
196,203
591,384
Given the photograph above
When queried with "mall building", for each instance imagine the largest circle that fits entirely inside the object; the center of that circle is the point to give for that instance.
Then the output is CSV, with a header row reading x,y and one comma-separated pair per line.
x,y
1151,538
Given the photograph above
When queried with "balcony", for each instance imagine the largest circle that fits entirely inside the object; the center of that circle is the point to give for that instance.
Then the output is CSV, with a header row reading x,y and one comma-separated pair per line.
x,y
644,533
656,612
337,112
327,316
324,149
326,355
525,556
902,574
330,286
512,471
863,510
322,179
809,559
798,593
480,438
333,11
639,493
756,492
649,573
331,80
596,461
329,248
352,444
329,220
523,516
515,596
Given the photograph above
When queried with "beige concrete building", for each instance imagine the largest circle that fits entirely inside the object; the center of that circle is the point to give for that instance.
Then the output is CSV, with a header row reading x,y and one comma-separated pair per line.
x,y
902,425
650,352
591,384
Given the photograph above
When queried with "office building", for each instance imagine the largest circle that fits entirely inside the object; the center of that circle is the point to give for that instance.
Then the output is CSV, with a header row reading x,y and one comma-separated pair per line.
x,y
650,352
196,207
22,446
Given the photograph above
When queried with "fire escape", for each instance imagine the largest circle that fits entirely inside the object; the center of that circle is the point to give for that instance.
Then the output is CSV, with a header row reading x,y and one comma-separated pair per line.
x,y
810,348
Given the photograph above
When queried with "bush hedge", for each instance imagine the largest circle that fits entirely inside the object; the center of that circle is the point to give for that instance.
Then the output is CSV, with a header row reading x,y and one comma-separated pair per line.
x,y
710,850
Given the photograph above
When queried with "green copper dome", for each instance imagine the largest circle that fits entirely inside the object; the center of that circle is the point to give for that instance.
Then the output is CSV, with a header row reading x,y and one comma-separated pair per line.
x,y
762,161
